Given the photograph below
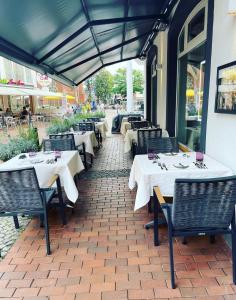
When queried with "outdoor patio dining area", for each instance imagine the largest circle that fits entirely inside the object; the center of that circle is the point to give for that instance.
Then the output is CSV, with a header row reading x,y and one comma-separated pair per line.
x,y
104,250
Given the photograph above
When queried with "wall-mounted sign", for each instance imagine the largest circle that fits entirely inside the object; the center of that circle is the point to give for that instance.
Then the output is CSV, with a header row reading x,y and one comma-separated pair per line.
x,y
43,80
226,89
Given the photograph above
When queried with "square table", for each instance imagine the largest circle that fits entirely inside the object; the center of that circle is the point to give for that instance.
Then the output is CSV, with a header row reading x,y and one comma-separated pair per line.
x,y
88,138
147,174
66,167
132,135
102,127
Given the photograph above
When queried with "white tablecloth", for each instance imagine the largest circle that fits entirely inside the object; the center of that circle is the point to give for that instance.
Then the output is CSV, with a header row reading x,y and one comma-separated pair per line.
x,y
88,138
66,167
132,135
147,174
103,127
125,125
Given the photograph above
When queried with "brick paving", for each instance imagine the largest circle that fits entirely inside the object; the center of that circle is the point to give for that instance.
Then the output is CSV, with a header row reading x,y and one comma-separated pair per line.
x,y
105,253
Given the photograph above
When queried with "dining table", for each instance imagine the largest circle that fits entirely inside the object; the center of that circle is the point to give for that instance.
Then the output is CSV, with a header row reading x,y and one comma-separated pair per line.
x,y
162,170
132,136
47,165
86,137
102,126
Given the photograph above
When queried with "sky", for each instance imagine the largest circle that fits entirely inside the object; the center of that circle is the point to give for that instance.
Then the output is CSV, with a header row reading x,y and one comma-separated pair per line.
x,y
135,65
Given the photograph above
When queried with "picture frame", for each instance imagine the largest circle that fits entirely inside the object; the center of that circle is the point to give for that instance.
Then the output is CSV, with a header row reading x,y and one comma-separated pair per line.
x,y
225,101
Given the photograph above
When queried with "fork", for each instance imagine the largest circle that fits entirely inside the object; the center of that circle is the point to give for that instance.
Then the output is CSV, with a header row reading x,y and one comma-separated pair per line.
x,y
164,166
160,165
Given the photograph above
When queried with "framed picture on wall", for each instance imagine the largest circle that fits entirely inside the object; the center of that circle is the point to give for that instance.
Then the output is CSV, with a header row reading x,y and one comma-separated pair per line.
x,y
226,89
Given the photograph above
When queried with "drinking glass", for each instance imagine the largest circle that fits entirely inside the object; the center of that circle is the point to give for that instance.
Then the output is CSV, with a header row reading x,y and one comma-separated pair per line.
x,y
199,157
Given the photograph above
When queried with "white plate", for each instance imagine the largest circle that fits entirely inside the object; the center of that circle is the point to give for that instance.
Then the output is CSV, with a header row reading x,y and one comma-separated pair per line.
x,y
36,161
47,152
170,154
181,166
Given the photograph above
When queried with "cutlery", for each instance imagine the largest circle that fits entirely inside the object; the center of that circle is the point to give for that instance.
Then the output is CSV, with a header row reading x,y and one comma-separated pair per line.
x,y
160,165
164,165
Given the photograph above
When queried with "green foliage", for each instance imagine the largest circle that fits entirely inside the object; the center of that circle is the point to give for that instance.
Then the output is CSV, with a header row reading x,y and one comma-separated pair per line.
x,y
60,126
89,84
119,86
16,146
103,85
138,81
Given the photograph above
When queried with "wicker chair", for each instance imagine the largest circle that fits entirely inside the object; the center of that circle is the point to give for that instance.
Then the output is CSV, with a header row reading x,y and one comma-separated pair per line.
x,y
134,118
93,119
200,207
139,124
81,148
163,144
20,194
144,135
60,144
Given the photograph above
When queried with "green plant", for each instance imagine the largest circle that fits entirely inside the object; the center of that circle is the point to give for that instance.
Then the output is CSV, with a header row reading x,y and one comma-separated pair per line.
x,y
16,146
60,126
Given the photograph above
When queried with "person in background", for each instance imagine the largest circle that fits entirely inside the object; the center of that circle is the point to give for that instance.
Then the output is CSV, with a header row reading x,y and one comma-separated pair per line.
x,y
8,112
24,113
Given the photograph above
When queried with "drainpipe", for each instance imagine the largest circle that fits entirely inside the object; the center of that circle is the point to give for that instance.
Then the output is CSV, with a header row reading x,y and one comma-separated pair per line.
x,y
129,85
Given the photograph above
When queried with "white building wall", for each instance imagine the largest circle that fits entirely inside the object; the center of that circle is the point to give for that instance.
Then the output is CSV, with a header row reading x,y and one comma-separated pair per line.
x,y
161,43
221,128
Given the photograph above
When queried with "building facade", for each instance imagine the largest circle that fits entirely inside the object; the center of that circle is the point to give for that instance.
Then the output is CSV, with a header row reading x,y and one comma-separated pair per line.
x,y
190,69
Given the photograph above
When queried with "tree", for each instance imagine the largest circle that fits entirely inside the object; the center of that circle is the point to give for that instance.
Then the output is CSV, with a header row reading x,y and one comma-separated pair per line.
x,y
89,83
103,85
138,81
119,86
120,82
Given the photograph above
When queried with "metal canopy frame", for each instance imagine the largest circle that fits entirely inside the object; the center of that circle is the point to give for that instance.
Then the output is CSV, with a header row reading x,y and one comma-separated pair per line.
x,y
67,74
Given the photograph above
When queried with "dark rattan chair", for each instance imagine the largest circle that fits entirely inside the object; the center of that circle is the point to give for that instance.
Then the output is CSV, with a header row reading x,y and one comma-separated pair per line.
x,y
163,144
20,194
60,144
139,124
134,118
200,207
93,119
81,148
144,135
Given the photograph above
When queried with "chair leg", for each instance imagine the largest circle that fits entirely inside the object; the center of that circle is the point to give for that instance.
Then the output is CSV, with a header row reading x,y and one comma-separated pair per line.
x,y
41,221
233,236
172,268
184,240
16,222
212,239
47,232
85,158
150,206
156,209
61,202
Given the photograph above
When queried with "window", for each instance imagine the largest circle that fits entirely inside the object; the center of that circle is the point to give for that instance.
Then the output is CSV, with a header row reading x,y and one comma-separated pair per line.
x,y
191,73
196,25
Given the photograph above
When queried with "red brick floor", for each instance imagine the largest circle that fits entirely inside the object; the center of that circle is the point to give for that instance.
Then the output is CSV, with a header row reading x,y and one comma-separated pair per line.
x,y
105,253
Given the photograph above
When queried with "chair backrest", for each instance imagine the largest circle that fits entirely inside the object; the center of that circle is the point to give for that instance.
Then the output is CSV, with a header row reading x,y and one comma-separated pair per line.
x,y
94,119
84,126
58,144
134,118
19,191
164,144
203,203
139,124
144,135
69,136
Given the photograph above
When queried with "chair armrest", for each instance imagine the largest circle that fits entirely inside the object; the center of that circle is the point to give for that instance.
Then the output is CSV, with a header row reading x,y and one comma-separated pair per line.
x,y
52,180
159,195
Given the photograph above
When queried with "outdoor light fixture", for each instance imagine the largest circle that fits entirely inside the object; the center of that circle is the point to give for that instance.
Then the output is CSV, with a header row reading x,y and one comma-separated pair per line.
x,y
232,7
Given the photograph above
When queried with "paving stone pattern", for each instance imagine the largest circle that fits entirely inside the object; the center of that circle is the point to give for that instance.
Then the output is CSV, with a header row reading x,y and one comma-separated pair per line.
x,y
104,253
